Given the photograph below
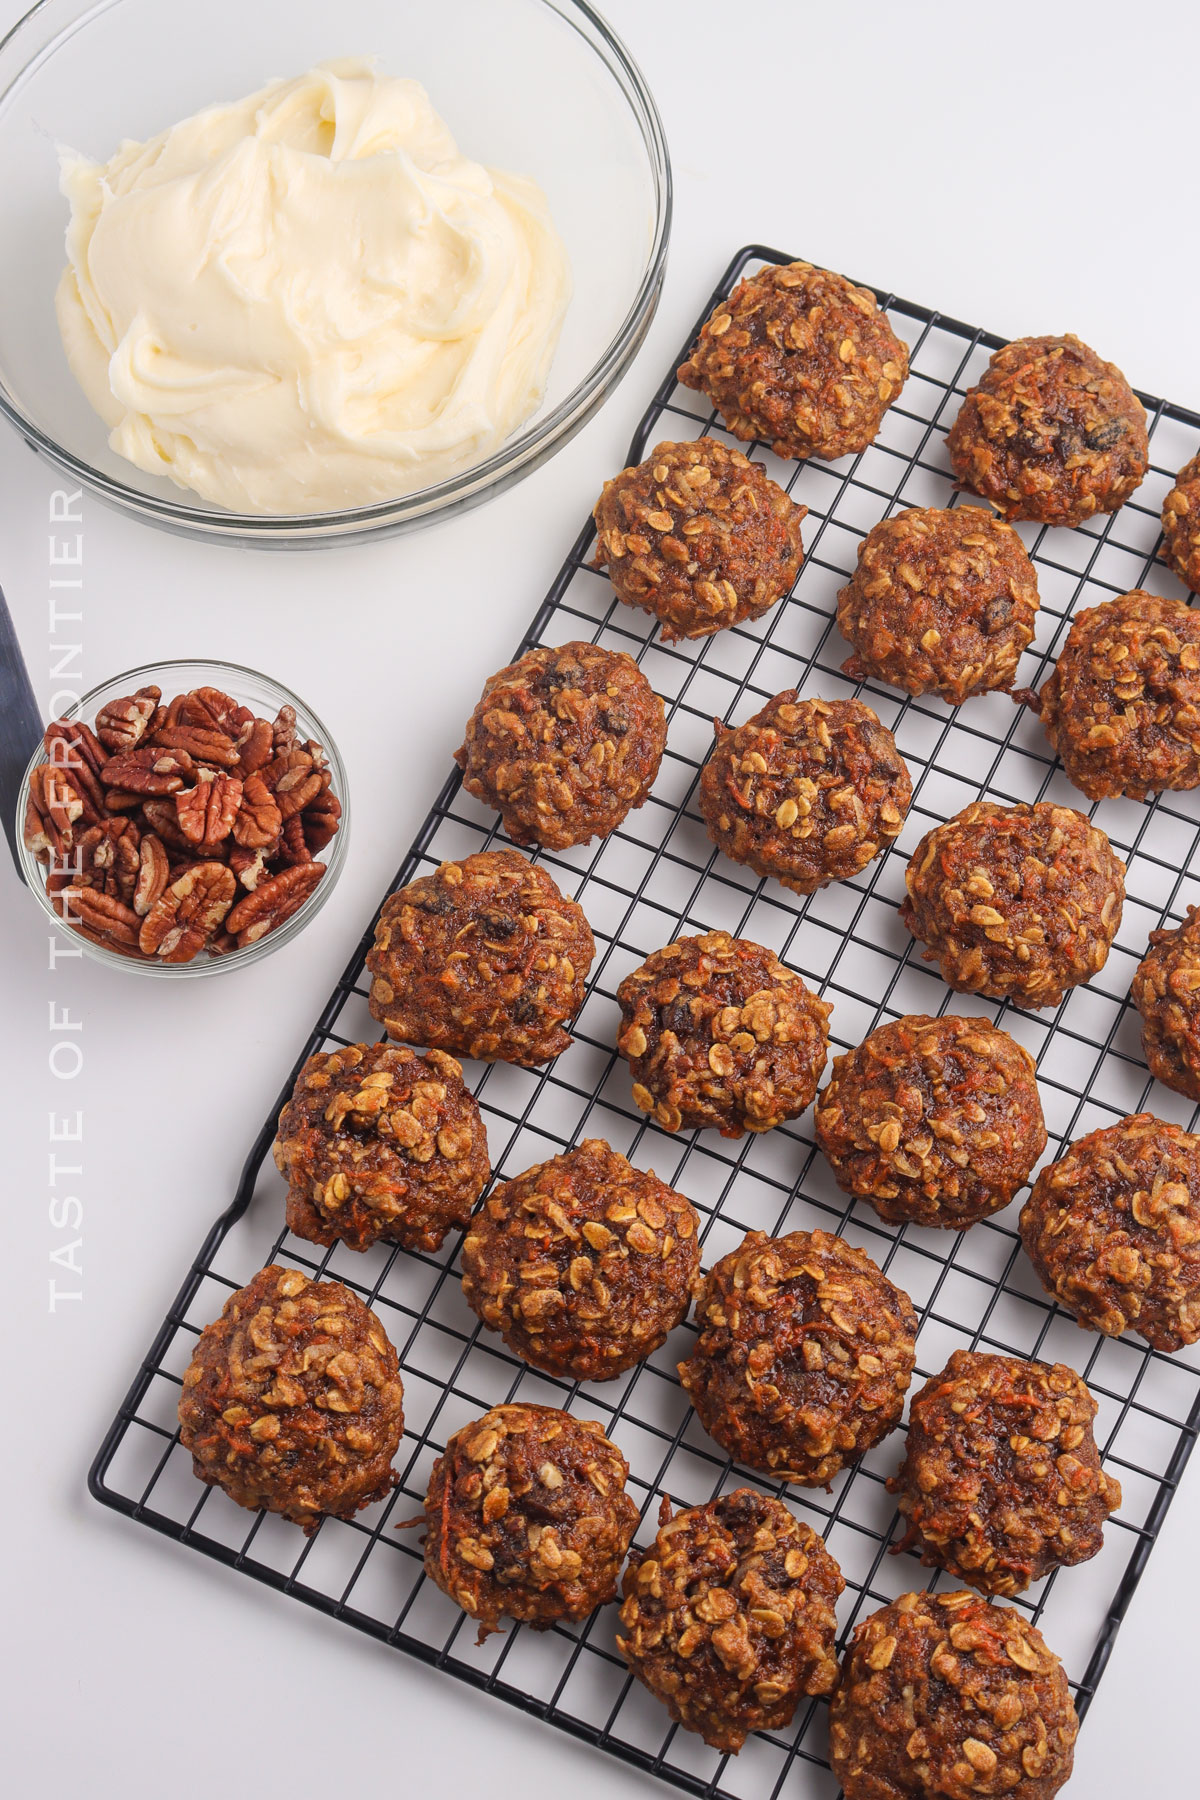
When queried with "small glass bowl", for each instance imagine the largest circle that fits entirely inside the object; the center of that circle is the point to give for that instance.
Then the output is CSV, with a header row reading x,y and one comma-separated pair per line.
x,y
541,87
266,697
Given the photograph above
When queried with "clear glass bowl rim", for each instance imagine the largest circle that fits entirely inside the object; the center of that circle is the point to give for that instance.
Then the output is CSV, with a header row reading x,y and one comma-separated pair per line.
x,y
520,455
226,674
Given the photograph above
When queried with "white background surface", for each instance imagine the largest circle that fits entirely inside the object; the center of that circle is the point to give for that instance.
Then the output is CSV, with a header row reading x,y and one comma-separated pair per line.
x,y
1028,168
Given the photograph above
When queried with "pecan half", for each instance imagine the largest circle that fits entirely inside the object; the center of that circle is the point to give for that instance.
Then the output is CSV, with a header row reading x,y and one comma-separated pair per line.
x,y
107,942
122,724
272,902
203,745
104,914
62,885
296,791
321,818
188,912
211,705
42,836
256,746
108,858
293,781
150,770
70,745
152,876
116,800
293,846
79,745
91,865
259,820
250,866
160,816
65,800
208,708
52,810
283,732
206,813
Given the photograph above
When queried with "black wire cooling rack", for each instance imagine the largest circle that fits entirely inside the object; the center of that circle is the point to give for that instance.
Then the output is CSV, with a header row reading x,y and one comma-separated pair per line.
x,y
659,875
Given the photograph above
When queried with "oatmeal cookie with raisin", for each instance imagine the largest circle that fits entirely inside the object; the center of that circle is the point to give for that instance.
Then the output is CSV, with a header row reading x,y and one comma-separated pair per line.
x,y
953,1697
933,1122
1051,432
717,1032
804,1357
1113,1231
806,791
943,600
1016,902
1181,525
1001,1481
583,1264
801,359
729,1616
377,1142
292,1400
527,1517
1122,707
564,743
483,958
1166,991
698,536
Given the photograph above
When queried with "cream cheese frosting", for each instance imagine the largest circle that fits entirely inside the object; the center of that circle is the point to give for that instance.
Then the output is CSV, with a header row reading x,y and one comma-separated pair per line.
x,y
309,300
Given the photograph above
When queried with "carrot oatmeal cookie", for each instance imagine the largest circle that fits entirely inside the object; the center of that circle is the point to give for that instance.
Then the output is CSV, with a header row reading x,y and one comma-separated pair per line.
x,y
807,791
1051,433
483,958
717,1032
584,1264
698,536
942,601
729,1616
1001,1481
1181,525
934,1122
1016,902
1122,707
564,744
949,1697
1166,991
801,359
1113,1230
527,1517
378,1142
292,1400
804,1357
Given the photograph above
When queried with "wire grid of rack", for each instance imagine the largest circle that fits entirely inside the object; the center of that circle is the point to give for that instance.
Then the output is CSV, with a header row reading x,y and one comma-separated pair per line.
x,y
654,878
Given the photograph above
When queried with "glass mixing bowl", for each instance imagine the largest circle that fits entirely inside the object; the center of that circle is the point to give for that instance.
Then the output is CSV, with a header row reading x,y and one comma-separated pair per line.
x,y
265,697
541,87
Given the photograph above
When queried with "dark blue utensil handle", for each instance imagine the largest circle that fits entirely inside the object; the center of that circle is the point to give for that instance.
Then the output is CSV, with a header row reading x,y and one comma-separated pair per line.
x,y
20,725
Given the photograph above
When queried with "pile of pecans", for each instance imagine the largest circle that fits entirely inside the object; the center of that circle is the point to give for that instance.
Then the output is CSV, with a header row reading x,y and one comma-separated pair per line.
x,y
168,830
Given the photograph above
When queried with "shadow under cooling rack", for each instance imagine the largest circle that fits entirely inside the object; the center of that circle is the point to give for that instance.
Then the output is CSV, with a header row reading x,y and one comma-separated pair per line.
x,y
655,877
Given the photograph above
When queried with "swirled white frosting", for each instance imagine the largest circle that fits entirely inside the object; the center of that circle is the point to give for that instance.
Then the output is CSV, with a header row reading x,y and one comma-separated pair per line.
x,y
309,300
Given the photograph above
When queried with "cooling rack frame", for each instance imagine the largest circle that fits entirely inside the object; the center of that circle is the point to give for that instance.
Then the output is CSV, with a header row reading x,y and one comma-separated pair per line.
x,y
261,1553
